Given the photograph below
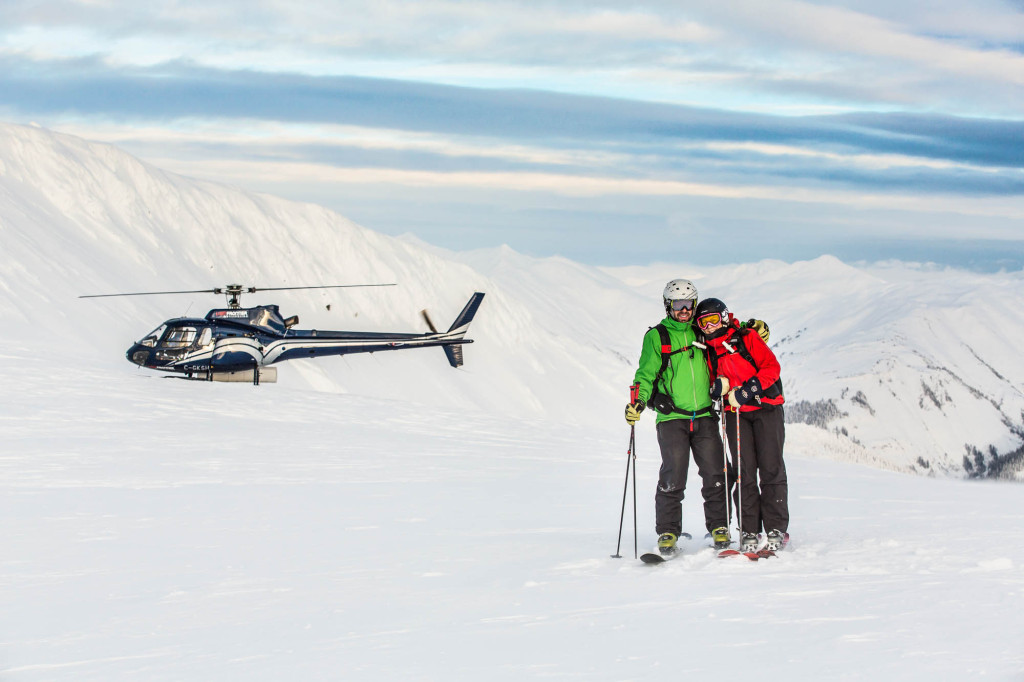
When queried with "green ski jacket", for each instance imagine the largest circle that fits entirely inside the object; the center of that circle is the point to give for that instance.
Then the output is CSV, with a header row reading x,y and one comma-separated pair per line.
x,y
685,379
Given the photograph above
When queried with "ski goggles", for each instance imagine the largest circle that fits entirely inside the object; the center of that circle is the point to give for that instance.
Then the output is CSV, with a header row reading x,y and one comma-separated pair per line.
x,y
682,304
705,322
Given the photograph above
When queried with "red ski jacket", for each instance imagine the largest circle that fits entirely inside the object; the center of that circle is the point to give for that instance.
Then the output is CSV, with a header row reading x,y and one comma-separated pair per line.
x,y
728,361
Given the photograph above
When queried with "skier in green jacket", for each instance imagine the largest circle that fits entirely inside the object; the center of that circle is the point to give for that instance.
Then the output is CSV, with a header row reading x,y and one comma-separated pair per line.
x,y
672,378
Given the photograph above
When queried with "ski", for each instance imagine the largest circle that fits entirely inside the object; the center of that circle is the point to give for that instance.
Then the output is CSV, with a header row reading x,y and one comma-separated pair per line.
x,y
655,556
762,553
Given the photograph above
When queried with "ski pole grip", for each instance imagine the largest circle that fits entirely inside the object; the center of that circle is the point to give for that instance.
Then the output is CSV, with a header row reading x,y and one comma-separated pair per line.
x,y
634,393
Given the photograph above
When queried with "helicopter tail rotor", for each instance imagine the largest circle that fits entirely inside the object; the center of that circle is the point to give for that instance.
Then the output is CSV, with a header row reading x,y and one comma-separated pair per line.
x,y
430,323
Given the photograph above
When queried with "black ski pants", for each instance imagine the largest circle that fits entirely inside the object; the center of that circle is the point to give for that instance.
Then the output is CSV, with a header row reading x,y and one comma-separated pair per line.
x,y
677,437
762,435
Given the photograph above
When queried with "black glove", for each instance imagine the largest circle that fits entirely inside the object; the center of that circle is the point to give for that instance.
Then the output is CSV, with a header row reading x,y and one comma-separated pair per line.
x,y
749,392
719,388
633,411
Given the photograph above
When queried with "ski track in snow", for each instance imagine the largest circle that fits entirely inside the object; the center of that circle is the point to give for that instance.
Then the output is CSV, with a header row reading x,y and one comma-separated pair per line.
x,y
161,530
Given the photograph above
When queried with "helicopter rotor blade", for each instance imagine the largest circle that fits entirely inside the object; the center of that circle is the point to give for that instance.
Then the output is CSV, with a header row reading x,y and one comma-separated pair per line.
x,y
330,286
154,293
230,288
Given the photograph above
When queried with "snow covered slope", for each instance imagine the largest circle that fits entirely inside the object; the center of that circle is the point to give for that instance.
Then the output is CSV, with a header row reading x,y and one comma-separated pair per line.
x,y
153,532
84,218
914,368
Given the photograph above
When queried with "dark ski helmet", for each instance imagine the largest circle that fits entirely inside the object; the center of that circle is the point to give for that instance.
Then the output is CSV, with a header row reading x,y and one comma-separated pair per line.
x,y
716,312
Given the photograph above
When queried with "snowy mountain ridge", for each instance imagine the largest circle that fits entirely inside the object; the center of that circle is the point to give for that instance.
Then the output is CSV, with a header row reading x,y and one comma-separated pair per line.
x,y
912,366
906,367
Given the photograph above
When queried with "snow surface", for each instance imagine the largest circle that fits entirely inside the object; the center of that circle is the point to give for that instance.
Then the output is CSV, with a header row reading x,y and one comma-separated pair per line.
x,y
152,531
386,517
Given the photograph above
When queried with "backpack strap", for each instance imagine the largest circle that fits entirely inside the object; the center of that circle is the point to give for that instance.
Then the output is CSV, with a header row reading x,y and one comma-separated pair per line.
x,y
666,350
773,391
712,356
741,347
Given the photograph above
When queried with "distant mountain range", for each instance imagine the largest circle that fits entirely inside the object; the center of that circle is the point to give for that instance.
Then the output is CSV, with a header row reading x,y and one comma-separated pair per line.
x,y
903,366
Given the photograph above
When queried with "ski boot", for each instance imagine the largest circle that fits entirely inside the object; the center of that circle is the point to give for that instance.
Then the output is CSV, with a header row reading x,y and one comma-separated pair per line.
x,y
667,543
720,536
776,540
749,542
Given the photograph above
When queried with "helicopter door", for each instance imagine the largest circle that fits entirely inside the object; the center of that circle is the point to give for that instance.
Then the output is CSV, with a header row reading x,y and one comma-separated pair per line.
x,y
205,337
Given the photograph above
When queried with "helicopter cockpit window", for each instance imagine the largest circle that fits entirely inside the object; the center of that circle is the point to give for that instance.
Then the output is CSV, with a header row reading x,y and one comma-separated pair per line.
x,y
179,337
151,338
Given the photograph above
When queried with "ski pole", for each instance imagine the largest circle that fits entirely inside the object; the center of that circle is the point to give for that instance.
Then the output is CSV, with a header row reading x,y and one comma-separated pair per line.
x,y
625,487
634,397
739,478
633,452
634,392
725,471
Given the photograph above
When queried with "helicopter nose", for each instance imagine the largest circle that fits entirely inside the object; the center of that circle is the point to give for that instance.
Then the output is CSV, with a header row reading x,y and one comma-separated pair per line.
x,y
138,354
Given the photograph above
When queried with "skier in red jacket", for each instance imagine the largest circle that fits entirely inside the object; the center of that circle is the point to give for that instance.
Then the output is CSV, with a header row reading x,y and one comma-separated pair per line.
x,y
745,376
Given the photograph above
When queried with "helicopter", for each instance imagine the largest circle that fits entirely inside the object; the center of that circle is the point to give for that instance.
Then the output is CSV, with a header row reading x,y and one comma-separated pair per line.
x,y
236,344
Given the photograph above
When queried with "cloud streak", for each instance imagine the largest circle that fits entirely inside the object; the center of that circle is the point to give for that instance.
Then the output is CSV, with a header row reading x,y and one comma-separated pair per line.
x,y
178,91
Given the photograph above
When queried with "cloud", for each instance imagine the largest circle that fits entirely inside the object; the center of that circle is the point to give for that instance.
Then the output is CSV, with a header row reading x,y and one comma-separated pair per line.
x,y
752,53
182,90
302,129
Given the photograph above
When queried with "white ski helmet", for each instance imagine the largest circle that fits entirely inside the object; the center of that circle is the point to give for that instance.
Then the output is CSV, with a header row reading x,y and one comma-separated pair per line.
x,y
678,289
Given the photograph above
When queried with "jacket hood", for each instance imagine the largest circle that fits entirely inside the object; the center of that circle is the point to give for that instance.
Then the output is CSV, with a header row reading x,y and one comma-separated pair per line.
x,y
675,324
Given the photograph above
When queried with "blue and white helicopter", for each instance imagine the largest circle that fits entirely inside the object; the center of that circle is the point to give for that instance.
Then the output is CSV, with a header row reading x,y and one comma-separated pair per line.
x,y
239,344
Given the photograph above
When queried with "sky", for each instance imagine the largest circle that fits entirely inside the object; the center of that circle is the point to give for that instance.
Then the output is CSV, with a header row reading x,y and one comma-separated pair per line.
x,y
610,133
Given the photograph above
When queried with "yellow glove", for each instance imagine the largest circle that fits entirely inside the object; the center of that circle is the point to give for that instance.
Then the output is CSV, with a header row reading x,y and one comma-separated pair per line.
x,y
732,400
761,327
633,411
